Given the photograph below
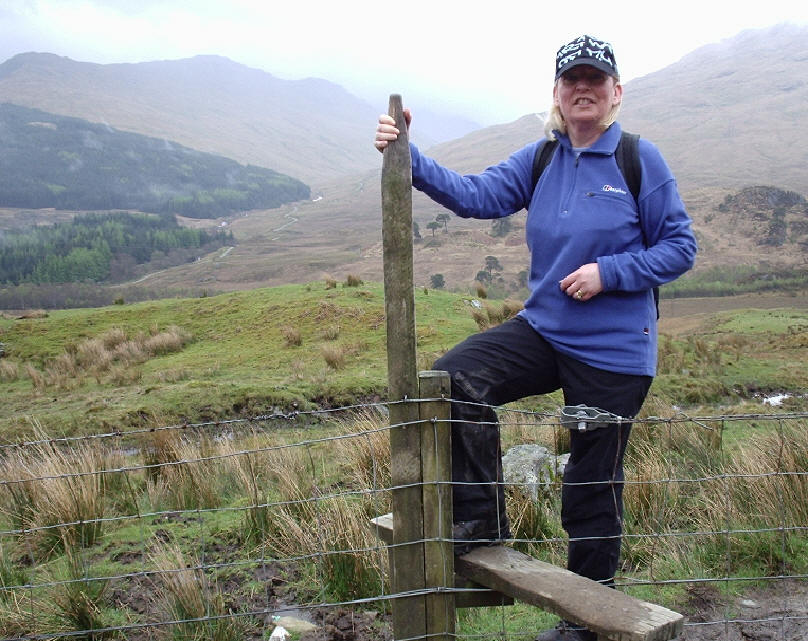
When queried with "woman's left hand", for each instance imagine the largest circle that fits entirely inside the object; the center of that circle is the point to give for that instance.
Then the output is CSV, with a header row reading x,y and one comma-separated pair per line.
x,y
584,283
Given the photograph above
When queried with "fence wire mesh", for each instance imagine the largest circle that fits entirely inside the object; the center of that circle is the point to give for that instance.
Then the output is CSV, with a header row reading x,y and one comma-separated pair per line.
x,y
226,529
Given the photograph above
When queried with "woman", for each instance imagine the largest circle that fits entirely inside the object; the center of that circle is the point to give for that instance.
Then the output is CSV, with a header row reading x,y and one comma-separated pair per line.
x,y
589,324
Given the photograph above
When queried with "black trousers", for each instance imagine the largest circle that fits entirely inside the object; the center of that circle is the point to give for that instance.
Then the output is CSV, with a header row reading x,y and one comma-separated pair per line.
x,y
512,361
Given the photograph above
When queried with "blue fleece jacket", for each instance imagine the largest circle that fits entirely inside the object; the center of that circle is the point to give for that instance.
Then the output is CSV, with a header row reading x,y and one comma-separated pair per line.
x,y
583,212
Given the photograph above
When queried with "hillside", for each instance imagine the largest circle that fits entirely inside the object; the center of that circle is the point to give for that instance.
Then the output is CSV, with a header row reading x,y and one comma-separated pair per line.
x,y
731,114
310,129
722,124
719,121
69,163
301,347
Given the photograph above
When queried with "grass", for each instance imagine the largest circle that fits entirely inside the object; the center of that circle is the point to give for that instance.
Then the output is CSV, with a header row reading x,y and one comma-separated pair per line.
x,y
87,370
48,486
238,356
205,512
223,496
274,502
185,594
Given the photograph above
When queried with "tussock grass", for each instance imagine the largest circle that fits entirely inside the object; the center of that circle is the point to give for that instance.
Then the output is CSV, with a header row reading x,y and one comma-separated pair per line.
x,y
292,336
174,375
172,340
113,337
494,313
334,356
186,472
226,329
352,280
78,605
330,332
694,506
311,503
511,308
111,355
37,378
480,318
9,371
185,593
366,454
56,491
93,354
334,524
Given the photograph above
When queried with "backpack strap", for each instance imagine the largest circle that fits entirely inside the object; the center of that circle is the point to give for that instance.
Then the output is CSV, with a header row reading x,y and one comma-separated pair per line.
x,y
542,158
627,156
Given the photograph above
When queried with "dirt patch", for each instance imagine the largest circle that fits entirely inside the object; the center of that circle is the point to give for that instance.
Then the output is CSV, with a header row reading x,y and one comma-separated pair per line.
x,y
344,625
777,613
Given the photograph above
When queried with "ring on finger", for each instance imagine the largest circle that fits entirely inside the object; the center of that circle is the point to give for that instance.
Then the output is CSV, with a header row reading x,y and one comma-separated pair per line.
x,y
579,294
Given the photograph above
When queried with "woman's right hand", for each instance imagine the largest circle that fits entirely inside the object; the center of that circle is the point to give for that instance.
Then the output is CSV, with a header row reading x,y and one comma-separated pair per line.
x,y
386,130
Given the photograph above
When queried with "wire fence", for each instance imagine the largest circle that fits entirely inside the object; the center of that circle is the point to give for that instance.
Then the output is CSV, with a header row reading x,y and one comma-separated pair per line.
x,y
225,529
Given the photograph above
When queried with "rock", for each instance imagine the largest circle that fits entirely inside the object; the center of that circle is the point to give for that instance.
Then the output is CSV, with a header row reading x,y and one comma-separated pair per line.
x,y
532,466
295,625
279,634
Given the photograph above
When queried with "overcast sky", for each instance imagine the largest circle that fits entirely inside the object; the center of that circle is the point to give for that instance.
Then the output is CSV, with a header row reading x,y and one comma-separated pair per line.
x,y
490,61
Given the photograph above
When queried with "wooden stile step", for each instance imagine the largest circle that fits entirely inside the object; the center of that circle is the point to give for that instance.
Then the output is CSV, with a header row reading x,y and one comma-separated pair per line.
x,y
477,595
612,614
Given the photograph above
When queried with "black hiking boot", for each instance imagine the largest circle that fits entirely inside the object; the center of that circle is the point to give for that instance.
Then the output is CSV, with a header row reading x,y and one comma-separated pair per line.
x,y
566,631
471,534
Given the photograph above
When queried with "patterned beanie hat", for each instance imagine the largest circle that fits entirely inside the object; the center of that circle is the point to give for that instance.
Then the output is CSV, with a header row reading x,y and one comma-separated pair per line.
x,y
586,50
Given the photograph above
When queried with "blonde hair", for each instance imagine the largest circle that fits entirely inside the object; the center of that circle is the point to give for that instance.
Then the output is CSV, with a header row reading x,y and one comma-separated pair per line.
x,y
555,120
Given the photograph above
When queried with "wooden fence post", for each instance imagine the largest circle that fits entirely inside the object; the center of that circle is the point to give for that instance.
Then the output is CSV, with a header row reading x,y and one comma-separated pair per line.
x,y
436,463
407,553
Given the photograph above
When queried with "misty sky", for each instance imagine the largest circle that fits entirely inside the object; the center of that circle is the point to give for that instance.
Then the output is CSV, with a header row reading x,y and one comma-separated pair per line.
x,y
491,62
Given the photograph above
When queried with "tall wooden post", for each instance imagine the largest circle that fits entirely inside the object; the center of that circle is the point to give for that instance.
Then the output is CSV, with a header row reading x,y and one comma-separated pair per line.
x,y
409,613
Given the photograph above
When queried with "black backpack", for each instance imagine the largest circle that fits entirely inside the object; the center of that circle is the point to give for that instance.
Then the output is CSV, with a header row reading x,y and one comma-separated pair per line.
x,y
626,155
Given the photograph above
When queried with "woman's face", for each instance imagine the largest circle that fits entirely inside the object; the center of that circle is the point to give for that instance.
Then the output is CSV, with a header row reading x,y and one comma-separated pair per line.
x,y
586,95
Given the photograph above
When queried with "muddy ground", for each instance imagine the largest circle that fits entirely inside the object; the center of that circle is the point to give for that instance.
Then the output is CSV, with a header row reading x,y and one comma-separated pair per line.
x,y
778,613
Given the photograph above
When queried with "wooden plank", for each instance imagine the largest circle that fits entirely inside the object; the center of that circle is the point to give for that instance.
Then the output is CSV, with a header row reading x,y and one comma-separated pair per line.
x,y
407,556
477,595
436,470
608,612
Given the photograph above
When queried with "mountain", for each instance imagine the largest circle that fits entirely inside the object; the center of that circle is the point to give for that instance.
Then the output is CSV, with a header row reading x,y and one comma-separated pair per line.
x,y
310,129
727,117
730,114
69,163
340,234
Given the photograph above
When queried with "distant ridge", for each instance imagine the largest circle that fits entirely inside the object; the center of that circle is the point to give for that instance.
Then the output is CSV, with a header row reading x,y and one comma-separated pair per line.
x,y
310,129
730,114
727,115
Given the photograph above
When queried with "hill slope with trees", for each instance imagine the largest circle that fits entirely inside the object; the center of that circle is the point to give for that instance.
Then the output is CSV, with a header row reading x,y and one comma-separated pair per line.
x,y
98,247
69,163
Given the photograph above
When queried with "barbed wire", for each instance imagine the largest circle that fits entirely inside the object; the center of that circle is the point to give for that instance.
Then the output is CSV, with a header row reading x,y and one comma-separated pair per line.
x,y
295,414
38,565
